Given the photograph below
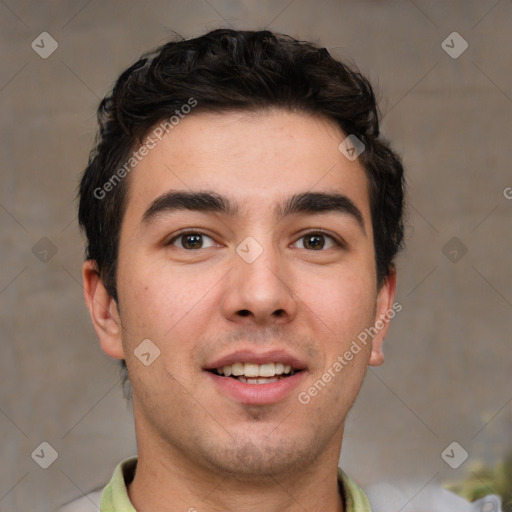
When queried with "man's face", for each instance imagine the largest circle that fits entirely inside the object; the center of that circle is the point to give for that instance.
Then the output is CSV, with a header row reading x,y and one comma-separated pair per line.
x,y
279,272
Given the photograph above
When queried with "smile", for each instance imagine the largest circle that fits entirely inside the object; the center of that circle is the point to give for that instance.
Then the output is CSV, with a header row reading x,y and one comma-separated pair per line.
x,y
251,373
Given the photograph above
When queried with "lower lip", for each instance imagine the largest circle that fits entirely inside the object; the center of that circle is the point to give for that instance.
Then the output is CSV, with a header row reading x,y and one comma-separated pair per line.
x,y
257,394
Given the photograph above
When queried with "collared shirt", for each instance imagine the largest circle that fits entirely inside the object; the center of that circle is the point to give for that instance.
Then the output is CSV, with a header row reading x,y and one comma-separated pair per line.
x,y
115,495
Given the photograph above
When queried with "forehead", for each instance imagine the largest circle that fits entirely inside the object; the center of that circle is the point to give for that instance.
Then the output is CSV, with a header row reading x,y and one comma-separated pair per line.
x,y
255,158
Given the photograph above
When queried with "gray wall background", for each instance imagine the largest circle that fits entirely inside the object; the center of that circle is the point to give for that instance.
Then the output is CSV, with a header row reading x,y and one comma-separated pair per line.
x,y
447,372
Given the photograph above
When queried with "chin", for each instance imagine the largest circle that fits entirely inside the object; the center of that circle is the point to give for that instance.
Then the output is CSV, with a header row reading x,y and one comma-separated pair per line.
x,y
258,459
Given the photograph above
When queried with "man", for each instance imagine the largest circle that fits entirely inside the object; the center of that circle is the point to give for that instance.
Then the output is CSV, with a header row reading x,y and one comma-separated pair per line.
x,y
242,215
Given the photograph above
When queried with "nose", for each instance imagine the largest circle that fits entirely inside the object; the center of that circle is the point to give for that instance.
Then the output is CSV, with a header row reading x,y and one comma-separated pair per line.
x,y
260,292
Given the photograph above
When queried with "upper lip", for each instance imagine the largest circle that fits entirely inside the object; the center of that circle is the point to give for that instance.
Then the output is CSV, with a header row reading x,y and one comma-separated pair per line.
x,y
251,356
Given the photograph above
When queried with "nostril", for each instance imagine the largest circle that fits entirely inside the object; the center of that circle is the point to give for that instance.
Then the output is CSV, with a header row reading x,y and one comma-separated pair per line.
x,y
279,312
244,312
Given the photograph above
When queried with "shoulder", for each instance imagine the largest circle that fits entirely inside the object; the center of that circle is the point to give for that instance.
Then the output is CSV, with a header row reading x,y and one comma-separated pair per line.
x,y
434,498
354,497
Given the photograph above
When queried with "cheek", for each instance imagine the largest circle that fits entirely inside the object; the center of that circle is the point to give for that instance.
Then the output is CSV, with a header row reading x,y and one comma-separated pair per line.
x,y
166,305
160,307
345,300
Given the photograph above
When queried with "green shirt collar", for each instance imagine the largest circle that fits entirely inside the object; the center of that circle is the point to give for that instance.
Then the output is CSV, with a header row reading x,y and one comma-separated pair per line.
x,y
115,496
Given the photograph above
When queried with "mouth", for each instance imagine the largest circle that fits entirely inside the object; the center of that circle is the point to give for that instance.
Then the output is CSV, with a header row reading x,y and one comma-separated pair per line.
x,y
257,378
253,373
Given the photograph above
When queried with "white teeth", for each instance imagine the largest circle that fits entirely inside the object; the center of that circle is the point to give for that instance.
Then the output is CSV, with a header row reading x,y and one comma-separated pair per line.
x,y
267,370
237,369
267,381
258,381
252,371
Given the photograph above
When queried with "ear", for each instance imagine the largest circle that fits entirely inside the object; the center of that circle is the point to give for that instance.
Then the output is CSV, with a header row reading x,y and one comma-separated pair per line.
x,y
385,311
103,310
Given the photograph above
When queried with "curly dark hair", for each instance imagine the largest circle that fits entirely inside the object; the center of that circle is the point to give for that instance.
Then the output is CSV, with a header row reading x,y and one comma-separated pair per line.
x,y
227,70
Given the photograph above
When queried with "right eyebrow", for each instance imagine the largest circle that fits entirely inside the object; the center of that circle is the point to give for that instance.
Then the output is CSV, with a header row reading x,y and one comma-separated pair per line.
x,y
194,201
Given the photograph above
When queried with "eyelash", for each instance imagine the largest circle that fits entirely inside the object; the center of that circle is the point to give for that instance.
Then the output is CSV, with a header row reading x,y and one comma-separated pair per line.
x,y
185,233
337,242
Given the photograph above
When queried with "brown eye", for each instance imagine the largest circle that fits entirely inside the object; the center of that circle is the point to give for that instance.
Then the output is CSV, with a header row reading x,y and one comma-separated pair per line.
x,y
192,241
315,242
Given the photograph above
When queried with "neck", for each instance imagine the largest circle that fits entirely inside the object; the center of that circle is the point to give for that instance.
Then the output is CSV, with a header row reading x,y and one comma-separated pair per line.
x,y
167,480
156,488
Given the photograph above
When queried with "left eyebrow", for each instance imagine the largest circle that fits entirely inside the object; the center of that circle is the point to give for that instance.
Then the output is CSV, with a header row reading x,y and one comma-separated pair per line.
x,y
321,202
